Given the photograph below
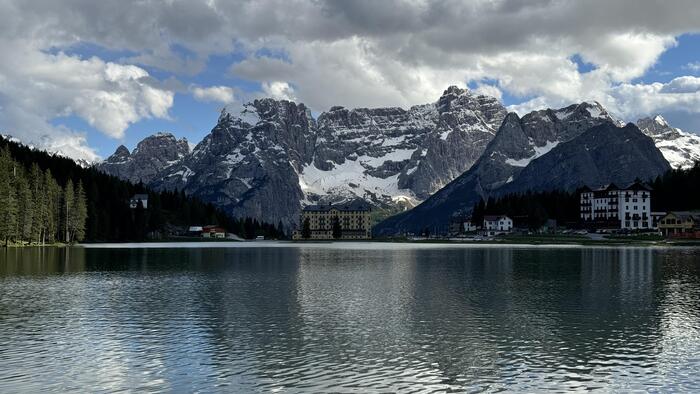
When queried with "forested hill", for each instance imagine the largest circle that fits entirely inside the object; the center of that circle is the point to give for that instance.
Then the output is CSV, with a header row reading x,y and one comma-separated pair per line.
x,y
50,208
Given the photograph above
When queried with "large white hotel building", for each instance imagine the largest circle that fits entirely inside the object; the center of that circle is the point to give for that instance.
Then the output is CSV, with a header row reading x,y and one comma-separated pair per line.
x,y
614,207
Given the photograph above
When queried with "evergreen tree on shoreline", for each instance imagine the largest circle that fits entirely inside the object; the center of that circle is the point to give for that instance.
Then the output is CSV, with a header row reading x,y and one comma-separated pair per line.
x,y
68,214
80,213
8,197
306,229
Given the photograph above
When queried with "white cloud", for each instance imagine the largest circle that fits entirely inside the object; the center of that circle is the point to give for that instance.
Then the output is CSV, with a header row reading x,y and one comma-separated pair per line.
x,y
684,84
349,72
279,90
221,94
627,55
489,90
38,87
635,100
389,53
693,66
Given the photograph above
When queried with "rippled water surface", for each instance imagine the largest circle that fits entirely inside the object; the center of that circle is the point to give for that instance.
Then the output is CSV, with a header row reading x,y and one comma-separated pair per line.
x,y
349,318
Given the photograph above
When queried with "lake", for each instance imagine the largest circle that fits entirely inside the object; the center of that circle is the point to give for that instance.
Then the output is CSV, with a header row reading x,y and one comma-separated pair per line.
x,y
348,317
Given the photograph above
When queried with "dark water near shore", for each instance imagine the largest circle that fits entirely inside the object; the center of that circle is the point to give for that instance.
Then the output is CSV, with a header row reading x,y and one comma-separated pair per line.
x,y
349,318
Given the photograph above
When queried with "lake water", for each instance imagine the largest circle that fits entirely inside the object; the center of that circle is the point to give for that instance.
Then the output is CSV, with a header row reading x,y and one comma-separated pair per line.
x,y
355,317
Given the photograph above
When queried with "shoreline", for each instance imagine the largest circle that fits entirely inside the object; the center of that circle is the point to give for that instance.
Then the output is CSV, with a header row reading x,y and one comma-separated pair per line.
x,y
384,244
552,241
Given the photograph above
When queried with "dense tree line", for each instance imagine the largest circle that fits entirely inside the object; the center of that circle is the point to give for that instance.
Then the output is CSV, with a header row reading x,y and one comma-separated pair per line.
x,y
35,208
530,209
106,212
677,190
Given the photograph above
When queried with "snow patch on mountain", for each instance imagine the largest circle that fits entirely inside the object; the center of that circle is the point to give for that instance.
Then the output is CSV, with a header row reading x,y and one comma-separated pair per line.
x,y
680,149
351,180
80,162
539,151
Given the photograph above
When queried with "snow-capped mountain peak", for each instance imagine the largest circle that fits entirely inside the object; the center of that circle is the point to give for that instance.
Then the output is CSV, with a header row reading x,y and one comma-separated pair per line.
x,y
661,121
680,148
54,152
270,157
151,155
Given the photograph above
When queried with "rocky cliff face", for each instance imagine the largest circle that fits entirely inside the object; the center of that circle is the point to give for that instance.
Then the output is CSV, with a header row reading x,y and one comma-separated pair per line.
x,y
519,150
150,157
249,163
273,157
681,149
602,155
386,155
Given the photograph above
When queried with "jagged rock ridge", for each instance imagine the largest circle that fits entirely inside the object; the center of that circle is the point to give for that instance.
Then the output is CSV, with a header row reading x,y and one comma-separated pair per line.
x,y
681,149
151,156
272,157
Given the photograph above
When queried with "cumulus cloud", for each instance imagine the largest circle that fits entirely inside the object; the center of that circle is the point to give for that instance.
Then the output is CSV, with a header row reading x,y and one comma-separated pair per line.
x,y
634,100
360,53
279,90
38,87
489,90
221,94
404,53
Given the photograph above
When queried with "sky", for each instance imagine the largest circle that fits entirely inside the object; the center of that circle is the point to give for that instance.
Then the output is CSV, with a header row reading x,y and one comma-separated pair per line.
x,y
82,77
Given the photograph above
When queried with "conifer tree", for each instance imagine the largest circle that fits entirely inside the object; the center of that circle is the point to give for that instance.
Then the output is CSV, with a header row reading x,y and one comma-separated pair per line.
x,y
306,229
336,229
53,208
36,179
25,208
80,213
68,211
279,230
8,198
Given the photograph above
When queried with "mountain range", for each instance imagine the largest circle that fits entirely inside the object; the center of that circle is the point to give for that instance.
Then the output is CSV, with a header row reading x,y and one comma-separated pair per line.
x,y
273,157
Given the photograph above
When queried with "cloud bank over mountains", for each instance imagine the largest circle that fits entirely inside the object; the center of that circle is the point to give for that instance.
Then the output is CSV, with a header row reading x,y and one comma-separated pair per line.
x,y
115,63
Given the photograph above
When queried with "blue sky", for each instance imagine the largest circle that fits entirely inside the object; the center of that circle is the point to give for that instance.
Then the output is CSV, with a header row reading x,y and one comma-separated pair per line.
x,y
83,77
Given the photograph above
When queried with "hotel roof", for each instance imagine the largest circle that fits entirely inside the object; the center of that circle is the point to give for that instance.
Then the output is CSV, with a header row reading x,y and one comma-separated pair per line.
x,y
637,185
350,206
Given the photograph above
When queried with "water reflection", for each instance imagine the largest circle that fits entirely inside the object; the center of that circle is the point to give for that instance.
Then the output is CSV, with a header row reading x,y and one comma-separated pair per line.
x,y
336,319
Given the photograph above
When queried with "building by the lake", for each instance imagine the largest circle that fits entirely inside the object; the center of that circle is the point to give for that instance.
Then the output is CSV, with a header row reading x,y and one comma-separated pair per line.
x,y
461,224
680,224
213,232
353,218
497,224
613,207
